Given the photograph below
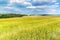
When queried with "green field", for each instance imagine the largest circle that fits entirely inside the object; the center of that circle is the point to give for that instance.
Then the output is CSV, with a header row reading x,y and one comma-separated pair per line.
x,y
30,28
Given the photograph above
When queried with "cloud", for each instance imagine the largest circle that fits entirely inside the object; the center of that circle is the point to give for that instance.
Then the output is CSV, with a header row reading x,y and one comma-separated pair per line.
x,y
49,6
44,0
29,6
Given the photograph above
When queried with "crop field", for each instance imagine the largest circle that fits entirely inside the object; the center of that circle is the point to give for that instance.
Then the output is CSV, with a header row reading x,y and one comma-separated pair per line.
x,y
30,28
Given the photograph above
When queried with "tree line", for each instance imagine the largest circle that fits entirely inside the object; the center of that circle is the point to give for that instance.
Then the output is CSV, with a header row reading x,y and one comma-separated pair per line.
x,y
11,15
21,15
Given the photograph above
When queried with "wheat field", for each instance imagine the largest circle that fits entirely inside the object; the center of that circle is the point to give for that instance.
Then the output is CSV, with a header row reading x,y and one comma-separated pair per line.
x,y
30,28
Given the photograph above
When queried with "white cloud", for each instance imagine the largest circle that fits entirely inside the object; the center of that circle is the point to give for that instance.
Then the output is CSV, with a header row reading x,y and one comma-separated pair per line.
x,y
24,2
50,8
54,0
31,7
44,0
43,6
27,3
57,3
18,1
12,8
8,9
36,6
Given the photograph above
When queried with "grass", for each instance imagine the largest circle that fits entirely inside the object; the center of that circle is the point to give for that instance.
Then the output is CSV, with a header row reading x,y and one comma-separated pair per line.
x,y
30,28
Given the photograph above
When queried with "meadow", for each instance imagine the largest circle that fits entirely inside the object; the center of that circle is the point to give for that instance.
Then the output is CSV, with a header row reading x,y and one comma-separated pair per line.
x,y
30,28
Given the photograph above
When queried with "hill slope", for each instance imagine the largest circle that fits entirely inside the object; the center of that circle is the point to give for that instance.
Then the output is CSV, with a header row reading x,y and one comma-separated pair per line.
x,y
30,28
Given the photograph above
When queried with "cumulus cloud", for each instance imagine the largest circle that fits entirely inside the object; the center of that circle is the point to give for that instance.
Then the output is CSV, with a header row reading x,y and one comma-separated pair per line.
x,y
19,1
28,5
49,6
44,0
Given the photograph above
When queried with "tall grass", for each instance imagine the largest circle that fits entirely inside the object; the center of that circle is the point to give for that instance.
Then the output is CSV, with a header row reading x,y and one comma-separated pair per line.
x,y
30,28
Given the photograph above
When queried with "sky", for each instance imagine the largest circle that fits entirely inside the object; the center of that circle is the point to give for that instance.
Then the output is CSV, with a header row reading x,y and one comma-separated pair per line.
x,y
30,6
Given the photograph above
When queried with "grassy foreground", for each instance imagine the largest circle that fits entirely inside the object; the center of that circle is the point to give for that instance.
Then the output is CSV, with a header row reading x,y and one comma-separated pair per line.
x,y
30,28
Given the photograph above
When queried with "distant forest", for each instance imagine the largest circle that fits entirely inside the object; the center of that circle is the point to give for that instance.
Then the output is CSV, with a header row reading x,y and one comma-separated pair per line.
x,y
21,15
11,15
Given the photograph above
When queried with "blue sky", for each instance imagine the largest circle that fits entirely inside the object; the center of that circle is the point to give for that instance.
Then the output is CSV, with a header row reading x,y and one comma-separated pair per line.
x,y
30,6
